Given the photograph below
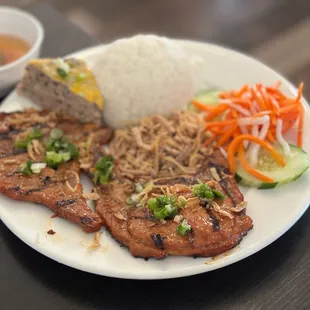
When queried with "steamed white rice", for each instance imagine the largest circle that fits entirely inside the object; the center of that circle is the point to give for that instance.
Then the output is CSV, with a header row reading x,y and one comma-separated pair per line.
x,y
142,76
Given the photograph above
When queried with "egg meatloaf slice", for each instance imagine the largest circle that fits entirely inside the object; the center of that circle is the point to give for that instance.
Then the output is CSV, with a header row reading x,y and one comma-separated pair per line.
x,y
63,86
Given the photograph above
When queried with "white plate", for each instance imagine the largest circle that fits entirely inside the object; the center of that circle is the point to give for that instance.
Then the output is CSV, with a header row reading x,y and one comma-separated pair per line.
x,y
273,211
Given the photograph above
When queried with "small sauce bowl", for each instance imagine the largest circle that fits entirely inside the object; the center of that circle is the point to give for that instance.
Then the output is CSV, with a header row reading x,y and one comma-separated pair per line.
x,y
24,25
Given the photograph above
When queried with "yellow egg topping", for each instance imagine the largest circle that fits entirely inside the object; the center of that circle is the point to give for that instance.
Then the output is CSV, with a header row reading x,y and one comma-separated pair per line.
x,y
75,75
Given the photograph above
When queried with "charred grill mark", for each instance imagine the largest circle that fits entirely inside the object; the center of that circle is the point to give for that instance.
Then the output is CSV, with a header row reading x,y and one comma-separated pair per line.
x,y
13,153
148,217
4,136
45,183
86,220
226,171
9,132
47,180
67,202
158,241
226,185
225,181
11,174
240,239
215,222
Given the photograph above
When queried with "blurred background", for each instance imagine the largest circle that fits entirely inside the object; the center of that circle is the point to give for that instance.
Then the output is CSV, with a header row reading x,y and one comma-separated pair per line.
x,y
275,31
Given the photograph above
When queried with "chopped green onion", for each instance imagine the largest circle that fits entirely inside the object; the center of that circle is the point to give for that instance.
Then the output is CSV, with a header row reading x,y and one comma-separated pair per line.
x,y
152,204
132,200
36,133
22,144
74,153
56,134
166,199
37,167
163,206
62,73
81,77
204,191
218,194
26,168
66,156
63,68
103,170
61,63
59,150
168,211
139,188
160,213
54,159
208,195
29,167
184,228
129,201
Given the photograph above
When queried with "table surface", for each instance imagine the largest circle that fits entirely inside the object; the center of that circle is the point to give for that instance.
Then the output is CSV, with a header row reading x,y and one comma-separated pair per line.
x,y
277,277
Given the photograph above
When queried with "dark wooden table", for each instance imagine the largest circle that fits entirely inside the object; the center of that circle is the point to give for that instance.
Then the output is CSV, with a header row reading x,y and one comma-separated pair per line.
x,y
278,277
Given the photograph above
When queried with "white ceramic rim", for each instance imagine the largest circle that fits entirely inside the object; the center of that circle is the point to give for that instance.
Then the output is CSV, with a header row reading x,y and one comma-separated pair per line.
x,y
190,271
37,43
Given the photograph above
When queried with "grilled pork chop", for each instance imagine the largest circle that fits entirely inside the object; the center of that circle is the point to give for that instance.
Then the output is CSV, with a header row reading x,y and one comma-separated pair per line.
x,y
58,189
216,226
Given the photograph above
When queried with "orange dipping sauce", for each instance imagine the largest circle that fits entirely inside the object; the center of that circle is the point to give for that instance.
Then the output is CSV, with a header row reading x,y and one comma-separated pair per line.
x,y
11,48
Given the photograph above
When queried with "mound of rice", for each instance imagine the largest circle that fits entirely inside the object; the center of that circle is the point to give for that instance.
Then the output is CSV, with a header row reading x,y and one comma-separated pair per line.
x,y
142,76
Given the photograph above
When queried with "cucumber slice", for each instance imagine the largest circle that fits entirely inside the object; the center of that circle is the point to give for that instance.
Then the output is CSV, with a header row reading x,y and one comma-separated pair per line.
x,y
208,97
296,164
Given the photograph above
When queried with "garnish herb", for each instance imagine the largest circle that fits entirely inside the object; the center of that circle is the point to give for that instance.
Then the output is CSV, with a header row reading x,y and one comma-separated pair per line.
x,y
103,170
81,77
26,168
139,187
36,133
62,73
58,150
218,194
74,153
184,228
54,159
37,167
164,207
204,191
132,200
56,134
29,167
63,69
168,211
